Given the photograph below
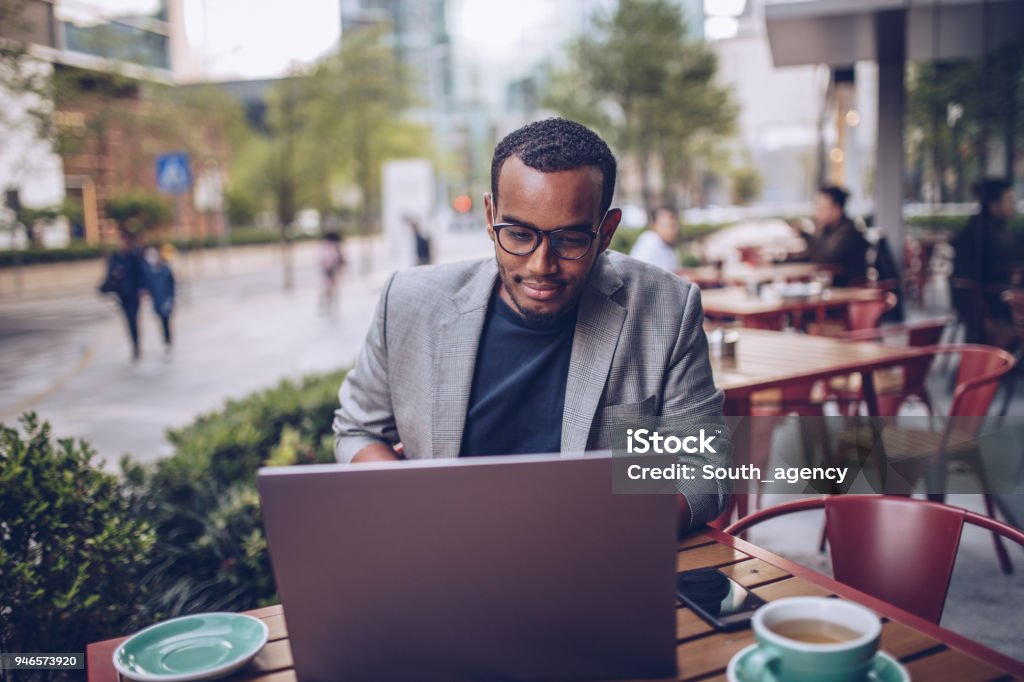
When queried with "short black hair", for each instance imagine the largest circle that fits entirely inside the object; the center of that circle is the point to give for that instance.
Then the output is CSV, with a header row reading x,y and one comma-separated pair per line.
x,y
837,194
557,144
990,191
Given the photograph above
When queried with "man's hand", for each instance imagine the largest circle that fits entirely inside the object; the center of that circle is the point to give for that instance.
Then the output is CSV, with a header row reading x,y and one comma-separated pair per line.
x,y
378,452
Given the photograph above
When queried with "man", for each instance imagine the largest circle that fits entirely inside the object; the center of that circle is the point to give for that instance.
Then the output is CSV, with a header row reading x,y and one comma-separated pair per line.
x,y
126,278
542,348
657,246
987,260
836,241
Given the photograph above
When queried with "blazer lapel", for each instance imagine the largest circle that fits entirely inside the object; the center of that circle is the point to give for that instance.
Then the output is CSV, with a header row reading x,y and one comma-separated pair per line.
x,y
455,360
593,348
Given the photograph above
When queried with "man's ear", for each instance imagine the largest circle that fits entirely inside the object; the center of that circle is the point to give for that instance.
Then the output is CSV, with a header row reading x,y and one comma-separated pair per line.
x,y
608,227
489,215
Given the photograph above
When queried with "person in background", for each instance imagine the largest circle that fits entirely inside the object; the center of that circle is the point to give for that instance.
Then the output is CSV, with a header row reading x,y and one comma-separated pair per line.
x,y
836,242
422,242
160,282
126,279
331,263
657,245
987,260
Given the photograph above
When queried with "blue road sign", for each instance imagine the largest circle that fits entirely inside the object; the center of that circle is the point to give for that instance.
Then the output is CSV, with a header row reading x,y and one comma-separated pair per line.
x,y
173,175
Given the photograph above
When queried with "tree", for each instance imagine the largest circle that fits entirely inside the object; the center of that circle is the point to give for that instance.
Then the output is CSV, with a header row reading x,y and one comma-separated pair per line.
x,y
956,110
638,77
357,119
22,77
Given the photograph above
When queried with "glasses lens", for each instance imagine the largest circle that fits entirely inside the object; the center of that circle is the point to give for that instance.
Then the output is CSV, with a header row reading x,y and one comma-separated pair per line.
x,y
571,245
517,240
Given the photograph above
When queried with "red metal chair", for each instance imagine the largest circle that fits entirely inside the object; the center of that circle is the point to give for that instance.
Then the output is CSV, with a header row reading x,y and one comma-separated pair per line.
x,y
917,453
894,387
898,549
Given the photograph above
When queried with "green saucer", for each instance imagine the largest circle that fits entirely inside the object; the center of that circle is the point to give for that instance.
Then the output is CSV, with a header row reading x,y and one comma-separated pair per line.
x,y
885,668
200,647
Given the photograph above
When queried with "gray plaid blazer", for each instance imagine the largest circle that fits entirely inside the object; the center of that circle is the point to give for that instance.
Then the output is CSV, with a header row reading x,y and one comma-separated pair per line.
x,y
639,350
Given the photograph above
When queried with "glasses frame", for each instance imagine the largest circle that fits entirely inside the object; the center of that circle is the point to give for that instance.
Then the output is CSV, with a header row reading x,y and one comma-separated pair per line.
x,y
541,234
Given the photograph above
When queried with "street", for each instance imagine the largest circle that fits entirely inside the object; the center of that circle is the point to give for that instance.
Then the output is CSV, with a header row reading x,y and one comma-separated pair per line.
x,y
64,352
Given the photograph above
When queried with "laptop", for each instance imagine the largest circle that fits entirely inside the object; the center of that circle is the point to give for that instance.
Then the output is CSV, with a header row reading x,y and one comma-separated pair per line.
x,y
523,567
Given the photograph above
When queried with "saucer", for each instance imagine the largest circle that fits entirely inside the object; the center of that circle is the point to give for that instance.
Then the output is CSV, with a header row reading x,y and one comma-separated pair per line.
x,y
200,647
884,668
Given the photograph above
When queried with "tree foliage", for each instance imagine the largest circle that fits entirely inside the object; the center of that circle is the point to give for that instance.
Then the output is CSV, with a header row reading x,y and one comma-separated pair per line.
x,y
956,112
357,119
647,85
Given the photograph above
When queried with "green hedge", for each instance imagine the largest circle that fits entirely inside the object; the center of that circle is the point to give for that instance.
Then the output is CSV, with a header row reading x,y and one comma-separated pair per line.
x,y
72,553
85,555
80,251
953,222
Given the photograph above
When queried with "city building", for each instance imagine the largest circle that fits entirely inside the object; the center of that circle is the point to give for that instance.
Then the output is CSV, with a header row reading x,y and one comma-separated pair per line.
x,y
110,53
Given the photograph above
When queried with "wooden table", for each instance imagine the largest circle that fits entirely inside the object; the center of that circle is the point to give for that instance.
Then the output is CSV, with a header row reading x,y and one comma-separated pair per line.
x,y
770,359
930,653
735,303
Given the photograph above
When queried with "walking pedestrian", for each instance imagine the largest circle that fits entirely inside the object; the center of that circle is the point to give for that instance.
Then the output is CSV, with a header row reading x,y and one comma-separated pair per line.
x,y
331,263
126,279
160,280
420,240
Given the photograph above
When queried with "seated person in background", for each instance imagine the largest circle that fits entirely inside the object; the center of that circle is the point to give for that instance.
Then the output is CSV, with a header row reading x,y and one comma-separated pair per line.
x,y
987,260
657,245
836,242
545,347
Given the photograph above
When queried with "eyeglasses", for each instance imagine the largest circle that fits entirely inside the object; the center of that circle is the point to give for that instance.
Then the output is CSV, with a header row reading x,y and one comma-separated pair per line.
x,y
567,243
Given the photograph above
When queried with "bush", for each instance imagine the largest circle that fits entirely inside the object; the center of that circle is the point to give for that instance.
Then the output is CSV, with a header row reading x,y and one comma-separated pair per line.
x,y
952,223
210,551
139,212
247,236
72,555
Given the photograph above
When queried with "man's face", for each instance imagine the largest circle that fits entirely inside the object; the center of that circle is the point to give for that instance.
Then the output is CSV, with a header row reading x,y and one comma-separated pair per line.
x,y
1006,207
666,226
825,210
541,286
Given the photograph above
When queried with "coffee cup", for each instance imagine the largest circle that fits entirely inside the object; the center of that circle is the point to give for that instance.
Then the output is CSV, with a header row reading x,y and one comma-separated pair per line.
x,y
813,639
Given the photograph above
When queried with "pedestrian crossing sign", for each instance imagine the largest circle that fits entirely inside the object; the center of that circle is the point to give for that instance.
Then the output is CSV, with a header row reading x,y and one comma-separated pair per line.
x,y
173,175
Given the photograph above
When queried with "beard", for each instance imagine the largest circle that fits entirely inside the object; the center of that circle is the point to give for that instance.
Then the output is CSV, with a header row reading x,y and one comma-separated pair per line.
x,y
532,318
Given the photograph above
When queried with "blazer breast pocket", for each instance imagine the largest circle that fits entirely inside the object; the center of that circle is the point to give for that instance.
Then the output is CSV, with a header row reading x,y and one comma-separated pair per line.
x,y
645,408
618,416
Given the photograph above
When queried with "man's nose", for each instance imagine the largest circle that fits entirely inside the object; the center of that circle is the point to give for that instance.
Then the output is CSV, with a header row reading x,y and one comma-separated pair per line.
x,y
543,260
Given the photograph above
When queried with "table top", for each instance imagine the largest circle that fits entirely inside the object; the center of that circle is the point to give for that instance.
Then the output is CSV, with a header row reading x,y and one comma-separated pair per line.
x,y
736,302
928,651
770,359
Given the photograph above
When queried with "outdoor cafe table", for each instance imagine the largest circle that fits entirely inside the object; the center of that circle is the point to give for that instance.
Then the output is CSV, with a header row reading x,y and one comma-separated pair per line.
x,y
769,359
755,311
929,652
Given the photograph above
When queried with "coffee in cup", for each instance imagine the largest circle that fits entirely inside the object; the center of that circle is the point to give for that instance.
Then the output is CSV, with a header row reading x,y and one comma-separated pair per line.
x,y
814,639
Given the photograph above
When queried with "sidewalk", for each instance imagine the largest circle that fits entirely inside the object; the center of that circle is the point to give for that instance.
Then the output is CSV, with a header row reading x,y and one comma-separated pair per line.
x,y
65,352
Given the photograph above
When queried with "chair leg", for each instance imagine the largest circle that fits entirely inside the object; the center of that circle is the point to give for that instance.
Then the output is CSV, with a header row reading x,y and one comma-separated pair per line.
x,y
823,540
1004,557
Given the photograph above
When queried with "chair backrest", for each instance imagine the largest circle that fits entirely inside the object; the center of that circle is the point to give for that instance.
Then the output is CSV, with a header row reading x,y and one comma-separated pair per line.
x,y
897,549
867,314
977,379
915,372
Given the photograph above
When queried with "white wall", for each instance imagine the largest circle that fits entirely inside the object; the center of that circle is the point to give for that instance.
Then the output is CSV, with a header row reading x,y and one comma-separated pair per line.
x,y
27,163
